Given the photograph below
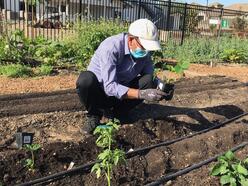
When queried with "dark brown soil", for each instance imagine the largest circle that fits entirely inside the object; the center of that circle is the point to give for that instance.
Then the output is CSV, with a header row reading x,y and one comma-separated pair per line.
x,y
56,117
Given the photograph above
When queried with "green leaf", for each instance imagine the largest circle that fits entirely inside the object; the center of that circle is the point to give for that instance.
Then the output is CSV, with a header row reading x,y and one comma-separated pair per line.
x,y
35,147
116,160
98,173
223,160
185,65
32,147
242,170
246,161
243,181
29,163
216,170
225,179
104,155
223,169
27,147
233,181
178,69
230,155
97,169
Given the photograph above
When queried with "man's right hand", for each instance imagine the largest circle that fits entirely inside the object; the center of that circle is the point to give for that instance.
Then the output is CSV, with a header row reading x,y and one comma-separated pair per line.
x,y
151,94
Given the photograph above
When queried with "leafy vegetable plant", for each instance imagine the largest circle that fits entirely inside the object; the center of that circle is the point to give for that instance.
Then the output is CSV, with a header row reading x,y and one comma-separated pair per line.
x,y
234,55
30,162
108,157
182,64
231,170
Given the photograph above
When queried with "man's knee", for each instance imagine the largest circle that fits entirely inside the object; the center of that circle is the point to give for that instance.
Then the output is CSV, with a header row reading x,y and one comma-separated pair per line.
x,y
146,82
86,80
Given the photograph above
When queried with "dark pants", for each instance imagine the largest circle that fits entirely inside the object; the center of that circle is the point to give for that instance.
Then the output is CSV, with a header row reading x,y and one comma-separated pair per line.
x,y
93,97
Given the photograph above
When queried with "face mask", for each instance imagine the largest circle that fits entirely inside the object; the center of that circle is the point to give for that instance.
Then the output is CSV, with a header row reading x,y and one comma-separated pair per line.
x,y
139,53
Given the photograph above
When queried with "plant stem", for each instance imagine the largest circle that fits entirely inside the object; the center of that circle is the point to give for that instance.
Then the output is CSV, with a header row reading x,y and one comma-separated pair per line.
x,y
108,178
108,163
32,166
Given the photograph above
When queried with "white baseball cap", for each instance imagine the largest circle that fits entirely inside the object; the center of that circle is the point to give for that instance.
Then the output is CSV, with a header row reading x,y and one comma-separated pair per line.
x,y
147,33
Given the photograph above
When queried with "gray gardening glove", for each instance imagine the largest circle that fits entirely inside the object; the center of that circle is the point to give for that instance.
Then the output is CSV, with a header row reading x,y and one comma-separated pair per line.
x,y
151,94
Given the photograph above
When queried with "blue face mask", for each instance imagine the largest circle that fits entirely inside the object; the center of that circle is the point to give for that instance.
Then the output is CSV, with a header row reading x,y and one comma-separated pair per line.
x,y
139,53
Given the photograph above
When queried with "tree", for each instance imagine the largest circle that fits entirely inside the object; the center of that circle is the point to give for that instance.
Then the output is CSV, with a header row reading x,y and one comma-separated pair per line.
x,y
192,20
239,23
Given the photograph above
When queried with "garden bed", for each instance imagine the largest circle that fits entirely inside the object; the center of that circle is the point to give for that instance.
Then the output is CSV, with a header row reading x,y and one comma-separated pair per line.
x,y
199,103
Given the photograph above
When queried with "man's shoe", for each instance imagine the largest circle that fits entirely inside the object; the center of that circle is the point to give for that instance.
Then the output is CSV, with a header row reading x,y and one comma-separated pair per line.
x,y
90,124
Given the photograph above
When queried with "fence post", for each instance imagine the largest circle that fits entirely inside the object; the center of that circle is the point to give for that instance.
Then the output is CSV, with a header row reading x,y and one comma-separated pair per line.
x,y
80,10
219,31
1,19
139,9
168,15
184,23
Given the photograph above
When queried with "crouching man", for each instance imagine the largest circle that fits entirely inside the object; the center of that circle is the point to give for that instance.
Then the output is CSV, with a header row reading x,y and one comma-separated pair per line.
x,y
120,74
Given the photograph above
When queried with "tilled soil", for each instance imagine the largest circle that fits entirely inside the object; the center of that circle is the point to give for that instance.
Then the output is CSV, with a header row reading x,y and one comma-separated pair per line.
x,y
56,118
201,176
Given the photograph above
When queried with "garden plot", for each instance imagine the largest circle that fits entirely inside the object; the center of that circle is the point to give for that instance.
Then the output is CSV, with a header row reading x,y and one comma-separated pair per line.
x,y
199,103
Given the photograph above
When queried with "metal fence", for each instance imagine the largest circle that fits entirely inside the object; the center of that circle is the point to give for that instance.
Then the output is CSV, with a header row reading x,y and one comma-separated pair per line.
x,y
55,18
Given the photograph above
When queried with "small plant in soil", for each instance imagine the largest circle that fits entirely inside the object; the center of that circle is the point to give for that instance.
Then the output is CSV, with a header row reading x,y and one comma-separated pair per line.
x,y
231,170
109,157
182,64
30,162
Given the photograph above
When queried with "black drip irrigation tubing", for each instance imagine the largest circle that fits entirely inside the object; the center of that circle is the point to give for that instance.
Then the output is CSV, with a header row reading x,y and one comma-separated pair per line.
x,y
194,166
138,150
87,167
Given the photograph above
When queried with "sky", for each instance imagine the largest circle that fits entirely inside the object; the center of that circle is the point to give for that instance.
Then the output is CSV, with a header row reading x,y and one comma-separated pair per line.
x,y
224,2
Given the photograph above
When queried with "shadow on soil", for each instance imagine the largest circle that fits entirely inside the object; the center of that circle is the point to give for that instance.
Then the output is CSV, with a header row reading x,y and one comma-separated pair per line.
x,y
205,117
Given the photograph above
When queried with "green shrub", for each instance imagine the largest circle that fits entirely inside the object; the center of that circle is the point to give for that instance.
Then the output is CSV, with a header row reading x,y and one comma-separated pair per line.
x,y
51,52
15,70
203,50
88,36
45,70
16,47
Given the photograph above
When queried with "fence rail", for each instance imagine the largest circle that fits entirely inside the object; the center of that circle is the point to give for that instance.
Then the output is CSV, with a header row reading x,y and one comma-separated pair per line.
x,y
55,18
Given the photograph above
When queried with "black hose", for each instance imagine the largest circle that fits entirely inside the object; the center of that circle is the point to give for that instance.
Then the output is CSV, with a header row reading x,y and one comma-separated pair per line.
x,y
195,166
88,166
184,137
50,178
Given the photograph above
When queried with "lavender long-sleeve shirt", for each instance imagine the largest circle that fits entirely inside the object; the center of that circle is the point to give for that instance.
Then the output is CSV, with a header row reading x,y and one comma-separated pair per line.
x,y
115,68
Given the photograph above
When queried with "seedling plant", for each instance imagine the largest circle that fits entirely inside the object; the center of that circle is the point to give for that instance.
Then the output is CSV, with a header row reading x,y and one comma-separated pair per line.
x,y
109,157
182,65
231,170
30,162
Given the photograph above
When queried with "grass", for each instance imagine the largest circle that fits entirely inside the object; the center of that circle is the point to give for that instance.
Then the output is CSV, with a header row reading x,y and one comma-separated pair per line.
x,y
15,70
45,70
18,70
